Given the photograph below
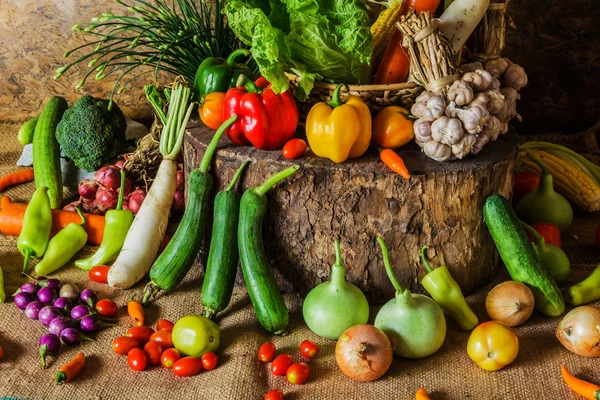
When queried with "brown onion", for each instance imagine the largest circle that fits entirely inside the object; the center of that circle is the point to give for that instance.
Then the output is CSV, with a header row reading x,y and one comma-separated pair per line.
x,y
579,331
87,188
364,353
135,200
510,303
107,199
109,177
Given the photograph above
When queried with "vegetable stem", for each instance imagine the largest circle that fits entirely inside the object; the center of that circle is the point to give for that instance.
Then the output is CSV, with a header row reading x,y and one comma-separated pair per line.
x,y
388,266
338,279
536,236
83,219
121,190
269,183
236,176
336,100
424,259
235,54
539,163
212,146
26,260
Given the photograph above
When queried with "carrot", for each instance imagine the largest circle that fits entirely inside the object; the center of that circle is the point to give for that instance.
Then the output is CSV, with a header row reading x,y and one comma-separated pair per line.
x,y
11,221
15,178
395,162
581,387
70,370
135,311
422,395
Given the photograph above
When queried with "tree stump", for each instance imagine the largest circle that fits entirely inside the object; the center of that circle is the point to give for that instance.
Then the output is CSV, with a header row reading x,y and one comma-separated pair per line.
x,y
439,206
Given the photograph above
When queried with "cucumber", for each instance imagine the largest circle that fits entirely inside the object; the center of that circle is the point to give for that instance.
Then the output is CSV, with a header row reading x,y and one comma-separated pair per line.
x,y
46,153
25,135
519,256
223,254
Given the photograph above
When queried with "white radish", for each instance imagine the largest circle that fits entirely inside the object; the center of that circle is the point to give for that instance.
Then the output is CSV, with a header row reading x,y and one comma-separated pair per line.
x,y
460,19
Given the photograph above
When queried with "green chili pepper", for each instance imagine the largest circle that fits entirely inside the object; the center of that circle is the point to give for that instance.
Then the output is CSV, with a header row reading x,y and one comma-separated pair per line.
x,y
2,293
585,291
216,74
117,223
63,247
37,224
446,292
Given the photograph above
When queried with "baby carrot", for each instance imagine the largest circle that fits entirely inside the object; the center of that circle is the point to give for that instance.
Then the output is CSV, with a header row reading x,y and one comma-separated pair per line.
x,y
422,395
71,369
581,387
15,178
135,311
395,162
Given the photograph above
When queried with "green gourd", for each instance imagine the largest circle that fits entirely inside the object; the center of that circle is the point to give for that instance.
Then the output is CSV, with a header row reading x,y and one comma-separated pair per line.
x,y
553,258
336,305
544,204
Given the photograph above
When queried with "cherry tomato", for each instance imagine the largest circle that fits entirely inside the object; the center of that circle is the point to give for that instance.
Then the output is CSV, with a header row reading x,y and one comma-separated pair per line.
x,y
141,334
298,373
136,358
281,363
294,148
107,308
266,352
164,338
99,274
187,366
493,345
274,395
209,360
123,344
309,349
164,325
423,5
153,352
169,357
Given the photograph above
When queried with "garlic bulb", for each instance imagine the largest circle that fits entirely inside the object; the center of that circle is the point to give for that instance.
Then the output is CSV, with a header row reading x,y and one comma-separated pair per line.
x,y
437,151
447,130
464,146
497,67
480,80
471,67
481,141
481,100
428,106
515,77
422,130
473,117
495,84
495,101
491,128
460,93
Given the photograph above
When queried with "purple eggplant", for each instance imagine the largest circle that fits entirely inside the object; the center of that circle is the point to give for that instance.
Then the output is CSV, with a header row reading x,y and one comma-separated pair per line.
x,y
64,304
73,336
47,295
22,299
50,283
49,344
59,324
88,297
69,291
33,309
29,288
80,311
47,314
91,324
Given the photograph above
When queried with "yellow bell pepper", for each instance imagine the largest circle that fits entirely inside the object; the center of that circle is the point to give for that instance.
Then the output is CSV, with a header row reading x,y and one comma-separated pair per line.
x,y
392,128
339,130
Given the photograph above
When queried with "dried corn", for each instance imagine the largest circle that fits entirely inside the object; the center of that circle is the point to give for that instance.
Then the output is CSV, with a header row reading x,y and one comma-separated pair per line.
x,y
382,29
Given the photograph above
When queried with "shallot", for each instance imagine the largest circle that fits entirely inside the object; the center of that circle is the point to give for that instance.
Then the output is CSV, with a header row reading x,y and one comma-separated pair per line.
x,y
106,199
179,200
135,200
87,188
109,177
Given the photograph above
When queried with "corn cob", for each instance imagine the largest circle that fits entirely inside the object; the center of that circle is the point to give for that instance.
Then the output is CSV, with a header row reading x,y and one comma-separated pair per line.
x,y
382,29
569,180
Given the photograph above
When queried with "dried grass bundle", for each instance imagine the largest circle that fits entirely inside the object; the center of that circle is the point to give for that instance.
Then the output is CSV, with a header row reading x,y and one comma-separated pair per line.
x,y
488,39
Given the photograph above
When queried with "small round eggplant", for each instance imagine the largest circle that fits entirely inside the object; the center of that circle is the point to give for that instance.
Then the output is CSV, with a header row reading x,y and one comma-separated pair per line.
x,y
47,295
88,297
29,288
73,336
64,304
22,299
69,291
49,344
33,309
90,324
80,311
49,283
47,314
59,324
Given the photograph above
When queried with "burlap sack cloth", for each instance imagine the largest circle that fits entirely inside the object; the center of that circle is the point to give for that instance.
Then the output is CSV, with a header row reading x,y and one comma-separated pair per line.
x,y
448,374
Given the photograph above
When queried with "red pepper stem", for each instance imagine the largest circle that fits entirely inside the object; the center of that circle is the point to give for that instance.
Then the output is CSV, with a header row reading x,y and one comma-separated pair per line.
x,y
424,259
388,267
269,183
236,176
536,236
121,190
539,163
83,220
336,100
235,54
212,146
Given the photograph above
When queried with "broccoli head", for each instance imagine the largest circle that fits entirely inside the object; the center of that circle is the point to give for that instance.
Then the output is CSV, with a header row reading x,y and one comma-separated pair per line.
x,y
90,134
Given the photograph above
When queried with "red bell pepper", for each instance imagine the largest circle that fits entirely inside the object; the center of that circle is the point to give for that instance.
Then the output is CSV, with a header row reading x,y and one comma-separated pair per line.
x,y
548,231
525,182
265,119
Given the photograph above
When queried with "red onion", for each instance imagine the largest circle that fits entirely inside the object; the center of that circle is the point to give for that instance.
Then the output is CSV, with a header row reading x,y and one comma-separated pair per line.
x,y
109,177
106,199
120,164
22,299
71,206
135,200
87,188
49,344
180,178
179,200
127,188
125,205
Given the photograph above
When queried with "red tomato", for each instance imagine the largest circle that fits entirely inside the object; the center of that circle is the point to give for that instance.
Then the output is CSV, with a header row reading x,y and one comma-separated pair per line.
x,y
141,334
423,5
187,366
99,274
549,232
136,358
107,308
164,338
294,148
266,352
309,349
209,361
164,325
281,363
298,373
525,182
169,357
153,352
274,395
123,344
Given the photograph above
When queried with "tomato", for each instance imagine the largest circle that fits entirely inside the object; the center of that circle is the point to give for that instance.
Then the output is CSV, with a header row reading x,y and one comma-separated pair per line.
x,y
423,5
281,363
187,366
169,357
309,349
493,345
274,395
294,148
107,308
211,110
525,182
298,373
266,352
164,325
153,352
141,334
196,335
548,231
136,358
209,361
162,337
123,344
99,274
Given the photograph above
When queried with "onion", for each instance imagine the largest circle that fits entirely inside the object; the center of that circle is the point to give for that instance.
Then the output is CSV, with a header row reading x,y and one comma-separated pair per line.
x,y
135,200
579,331
87,188
179,200
127,188
109,177
125,206
510,303
106,199
363,353
179,179
120,164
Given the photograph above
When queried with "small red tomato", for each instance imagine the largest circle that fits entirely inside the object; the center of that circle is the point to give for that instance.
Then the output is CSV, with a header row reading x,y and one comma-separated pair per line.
x,y
274,395
187,366
99,274
281,363
164,325
164,338
141,334
136,358
123,344
294,148
169,357
298,373
153,352
209,360
266,352
309,349
107,308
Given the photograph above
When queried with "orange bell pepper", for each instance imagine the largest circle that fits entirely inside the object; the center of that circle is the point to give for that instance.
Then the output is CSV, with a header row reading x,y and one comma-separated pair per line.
x,y
211,110
392,128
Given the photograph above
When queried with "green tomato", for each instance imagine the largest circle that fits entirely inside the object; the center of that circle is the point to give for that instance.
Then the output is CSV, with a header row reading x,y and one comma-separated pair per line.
x,y
196,335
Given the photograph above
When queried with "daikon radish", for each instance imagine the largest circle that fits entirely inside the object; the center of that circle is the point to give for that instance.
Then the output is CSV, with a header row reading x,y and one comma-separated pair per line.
x,y
460,19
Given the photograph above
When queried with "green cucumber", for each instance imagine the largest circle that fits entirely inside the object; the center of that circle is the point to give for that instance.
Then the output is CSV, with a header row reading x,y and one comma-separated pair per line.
x,y
46,153
223,254
267,301
519,256
25,135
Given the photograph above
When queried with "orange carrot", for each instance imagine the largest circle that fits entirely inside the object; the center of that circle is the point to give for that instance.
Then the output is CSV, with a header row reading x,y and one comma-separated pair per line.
x,y
135,311
581,387
15,178
71,369
422,395
395,162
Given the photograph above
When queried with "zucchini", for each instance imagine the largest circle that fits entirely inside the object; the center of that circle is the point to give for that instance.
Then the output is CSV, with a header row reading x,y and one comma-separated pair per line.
x,y
223,254
263,291
46,153
25,135
519,256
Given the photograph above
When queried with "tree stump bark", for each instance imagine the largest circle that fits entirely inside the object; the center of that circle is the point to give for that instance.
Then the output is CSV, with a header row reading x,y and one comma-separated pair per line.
x,y
440,206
